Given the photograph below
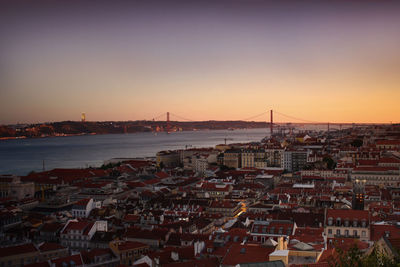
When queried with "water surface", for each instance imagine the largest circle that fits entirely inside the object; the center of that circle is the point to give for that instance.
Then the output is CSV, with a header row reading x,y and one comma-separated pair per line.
x,y
24,155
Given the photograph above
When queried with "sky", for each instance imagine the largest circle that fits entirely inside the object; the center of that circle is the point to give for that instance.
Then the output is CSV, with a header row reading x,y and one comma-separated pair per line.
x,y
218,60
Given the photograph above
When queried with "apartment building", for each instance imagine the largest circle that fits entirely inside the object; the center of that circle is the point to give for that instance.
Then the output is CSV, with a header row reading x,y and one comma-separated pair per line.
x,y
347,223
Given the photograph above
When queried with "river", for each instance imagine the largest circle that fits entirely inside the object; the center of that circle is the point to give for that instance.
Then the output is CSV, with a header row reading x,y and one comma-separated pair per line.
x,y
21,156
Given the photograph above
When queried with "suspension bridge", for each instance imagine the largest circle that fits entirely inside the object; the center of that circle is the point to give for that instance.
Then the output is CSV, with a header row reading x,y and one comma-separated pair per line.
x,y
275,120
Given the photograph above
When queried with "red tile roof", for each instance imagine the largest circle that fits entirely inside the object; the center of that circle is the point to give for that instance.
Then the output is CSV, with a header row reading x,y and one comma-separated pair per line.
x,y
214,187
50,247
349,214
131,218
395,242
164,256
388,142
308,234
152,181
367,162
155,234
161,175
77,259
84,226
249,253
347,243
89,256
380,230
51,227
17,250
223,204
389,160
212,262
130,245
135,184
375,169
82,202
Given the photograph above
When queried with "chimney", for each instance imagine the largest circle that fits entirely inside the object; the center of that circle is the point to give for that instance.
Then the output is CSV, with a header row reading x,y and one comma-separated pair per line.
x,y
280,243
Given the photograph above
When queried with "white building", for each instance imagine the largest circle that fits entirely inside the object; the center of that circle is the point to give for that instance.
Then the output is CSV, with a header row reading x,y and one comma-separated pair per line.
x,y
83,207
294,160
377,175
200,164
77,234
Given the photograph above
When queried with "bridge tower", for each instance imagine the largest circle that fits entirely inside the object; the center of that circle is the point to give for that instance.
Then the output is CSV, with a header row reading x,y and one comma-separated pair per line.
x,y
168,123
272,123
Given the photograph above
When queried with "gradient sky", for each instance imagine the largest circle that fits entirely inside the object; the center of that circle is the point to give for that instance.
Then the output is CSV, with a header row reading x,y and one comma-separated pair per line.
x,y
134,60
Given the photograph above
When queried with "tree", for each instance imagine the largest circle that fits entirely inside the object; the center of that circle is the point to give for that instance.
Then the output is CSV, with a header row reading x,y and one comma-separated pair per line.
x,y
357,143
354,257
349,258
330,163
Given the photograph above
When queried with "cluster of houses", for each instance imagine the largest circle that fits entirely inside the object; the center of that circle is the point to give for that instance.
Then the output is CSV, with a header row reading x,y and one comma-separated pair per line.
x,y
292,200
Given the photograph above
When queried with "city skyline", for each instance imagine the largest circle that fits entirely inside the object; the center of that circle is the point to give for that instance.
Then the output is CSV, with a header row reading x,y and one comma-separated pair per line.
x,y
336,62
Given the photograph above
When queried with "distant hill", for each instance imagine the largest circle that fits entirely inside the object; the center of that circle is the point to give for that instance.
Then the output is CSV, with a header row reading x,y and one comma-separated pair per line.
x,y
114,127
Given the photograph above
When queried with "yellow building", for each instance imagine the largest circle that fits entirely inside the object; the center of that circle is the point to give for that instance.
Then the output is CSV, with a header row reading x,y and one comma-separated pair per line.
x,y
232,158
168,158
128,251
347,223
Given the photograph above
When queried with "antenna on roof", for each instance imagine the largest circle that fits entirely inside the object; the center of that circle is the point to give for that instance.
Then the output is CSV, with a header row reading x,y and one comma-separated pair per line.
x,y
43,166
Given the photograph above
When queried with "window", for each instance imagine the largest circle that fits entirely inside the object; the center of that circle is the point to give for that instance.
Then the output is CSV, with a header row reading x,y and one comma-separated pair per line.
x,y
346,232
330,231
363,233
364,223
355,233
338,231
280,230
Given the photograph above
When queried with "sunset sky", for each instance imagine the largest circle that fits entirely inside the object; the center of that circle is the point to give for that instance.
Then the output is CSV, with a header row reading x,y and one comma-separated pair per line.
x,y
227,61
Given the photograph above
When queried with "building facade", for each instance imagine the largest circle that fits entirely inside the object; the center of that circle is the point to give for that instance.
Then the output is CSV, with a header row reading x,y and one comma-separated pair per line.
x,y
347,223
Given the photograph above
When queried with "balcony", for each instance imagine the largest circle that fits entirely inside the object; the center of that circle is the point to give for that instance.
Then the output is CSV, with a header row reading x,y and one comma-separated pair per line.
x,y
346,236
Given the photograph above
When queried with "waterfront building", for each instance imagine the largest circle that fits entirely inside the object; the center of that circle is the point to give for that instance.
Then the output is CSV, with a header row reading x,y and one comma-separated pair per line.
x,y
12,187
168,159
232,158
